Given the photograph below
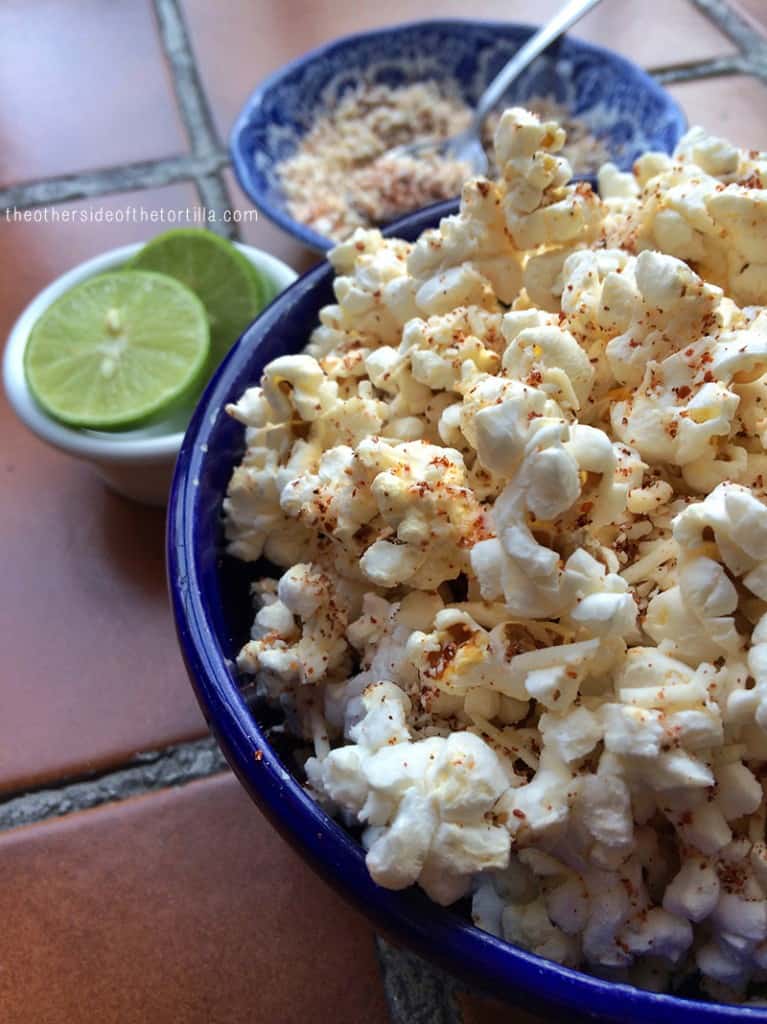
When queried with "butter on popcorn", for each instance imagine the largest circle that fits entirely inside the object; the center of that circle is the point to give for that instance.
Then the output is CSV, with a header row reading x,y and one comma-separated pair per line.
x,y
515,488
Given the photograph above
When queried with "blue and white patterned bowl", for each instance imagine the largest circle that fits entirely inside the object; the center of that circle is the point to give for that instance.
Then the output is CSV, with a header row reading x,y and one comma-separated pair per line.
x,y
620,102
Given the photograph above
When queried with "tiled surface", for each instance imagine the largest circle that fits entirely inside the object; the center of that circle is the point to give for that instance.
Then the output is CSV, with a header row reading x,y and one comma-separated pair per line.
x,y
88,655
477,1009
238,42
182,908
733,107
83,86
260,231
90,666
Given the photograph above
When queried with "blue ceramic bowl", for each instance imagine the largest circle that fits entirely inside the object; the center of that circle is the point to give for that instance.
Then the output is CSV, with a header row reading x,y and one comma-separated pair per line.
x,y
621,103
212,609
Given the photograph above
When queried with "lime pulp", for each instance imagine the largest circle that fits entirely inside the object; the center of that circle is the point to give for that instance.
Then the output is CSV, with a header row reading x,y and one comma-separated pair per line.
x,y
118,350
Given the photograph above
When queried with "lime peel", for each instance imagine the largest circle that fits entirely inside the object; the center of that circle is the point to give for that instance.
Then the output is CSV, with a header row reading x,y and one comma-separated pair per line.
x,y
232,290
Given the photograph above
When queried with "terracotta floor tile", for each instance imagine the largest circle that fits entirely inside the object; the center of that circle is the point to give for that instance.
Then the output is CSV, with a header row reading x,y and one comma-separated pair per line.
x,y
480,1010
732,107
258,230
88,655
238,42
84,85
180,908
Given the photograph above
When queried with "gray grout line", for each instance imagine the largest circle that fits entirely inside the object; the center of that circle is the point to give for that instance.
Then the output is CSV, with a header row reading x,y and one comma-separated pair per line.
x,y
215,196
173,766
190,93
736,27
416,991
195,110
126,178
716,67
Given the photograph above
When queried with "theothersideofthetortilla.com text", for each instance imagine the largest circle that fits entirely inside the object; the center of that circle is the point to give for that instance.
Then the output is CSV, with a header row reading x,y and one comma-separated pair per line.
x,y
190,215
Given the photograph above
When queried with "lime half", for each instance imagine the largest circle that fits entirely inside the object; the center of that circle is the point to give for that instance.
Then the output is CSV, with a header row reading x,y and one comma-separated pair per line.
x,y
118,349
227,284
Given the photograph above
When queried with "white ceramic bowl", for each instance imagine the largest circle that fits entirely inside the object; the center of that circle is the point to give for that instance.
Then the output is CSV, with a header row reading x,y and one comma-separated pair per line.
x,y
135,463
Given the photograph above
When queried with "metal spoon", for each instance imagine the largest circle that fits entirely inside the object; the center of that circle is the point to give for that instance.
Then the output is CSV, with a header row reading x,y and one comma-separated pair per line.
x,y
467,145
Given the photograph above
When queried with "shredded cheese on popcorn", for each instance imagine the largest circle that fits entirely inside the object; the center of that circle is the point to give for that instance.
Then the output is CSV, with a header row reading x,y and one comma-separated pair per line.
x,y
516,487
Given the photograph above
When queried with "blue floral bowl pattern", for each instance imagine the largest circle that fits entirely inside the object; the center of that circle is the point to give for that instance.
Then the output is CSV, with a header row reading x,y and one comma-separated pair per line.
x,y
211,604
621,104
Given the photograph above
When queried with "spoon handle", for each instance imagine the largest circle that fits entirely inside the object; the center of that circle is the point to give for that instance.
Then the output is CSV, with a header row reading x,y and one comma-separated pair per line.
x,y
564,18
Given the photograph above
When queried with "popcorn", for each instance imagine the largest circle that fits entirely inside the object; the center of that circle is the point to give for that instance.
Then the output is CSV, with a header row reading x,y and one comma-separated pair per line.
x,y
540,208
297,385
738,790
616,185
427,800
530,926
306,593
738,521
539,808
567,905
694,891
515,491
474,238
608,912
573,735
659,933
374,294
668,308
632,730
670,419
735,915
444,349
456,286
541,351
514,564
604,807
705,828
497,417
599,601
702,207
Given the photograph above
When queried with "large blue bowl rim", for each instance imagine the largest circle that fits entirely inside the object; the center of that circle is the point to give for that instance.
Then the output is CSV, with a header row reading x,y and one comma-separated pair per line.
x,y
241,154
194,559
